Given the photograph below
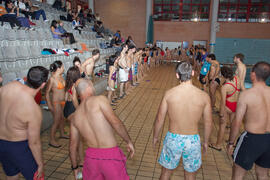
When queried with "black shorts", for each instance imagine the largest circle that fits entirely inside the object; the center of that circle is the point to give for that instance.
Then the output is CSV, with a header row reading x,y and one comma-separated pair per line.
x,y
217,80
252,148
69,109
17,157
201,79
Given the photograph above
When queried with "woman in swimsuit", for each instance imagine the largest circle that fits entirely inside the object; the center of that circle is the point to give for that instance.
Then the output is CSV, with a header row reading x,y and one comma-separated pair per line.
x,y
56,85
73,74
77,63
229,96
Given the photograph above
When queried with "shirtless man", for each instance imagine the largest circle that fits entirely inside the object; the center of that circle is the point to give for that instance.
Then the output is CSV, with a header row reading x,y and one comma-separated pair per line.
x,y
94,120
137,62
241,69
254,144
123,70
20,123
130,64
185,104
214,80
89,64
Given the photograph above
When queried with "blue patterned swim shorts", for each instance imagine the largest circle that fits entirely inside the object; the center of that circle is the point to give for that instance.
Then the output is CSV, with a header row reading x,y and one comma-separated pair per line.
x,y
187,146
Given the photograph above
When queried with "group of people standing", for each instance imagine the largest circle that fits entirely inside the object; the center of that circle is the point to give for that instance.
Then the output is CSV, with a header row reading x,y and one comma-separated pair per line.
x,y
187,104
92,118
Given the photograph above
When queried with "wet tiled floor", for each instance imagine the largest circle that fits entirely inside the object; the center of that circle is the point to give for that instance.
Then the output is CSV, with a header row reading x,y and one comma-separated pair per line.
x,y
138,111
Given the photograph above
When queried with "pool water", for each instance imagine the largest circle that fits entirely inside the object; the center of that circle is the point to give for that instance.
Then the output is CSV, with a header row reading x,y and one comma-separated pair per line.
x,y
248,83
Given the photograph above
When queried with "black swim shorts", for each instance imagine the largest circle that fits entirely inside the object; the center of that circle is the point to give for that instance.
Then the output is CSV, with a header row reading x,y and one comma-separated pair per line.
x,y
252,148
16,157
201,79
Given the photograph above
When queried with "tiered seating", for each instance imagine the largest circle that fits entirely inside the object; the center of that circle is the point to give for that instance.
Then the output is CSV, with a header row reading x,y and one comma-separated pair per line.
x,y
21,49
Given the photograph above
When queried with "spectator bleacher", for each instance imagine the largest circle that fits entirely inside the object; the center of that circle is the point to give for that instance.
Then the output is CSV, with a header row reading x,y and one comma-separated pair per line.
x,y
21,49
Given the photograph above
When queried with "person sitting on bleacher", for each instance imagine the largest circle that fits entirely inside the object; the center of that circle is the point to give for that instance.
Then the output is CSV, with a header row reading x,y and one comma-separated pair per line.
x,y
76,25
99,28
60,5
37,12
23,9
115,41
57,34
90,16
14,11
65,33
70,15
11,19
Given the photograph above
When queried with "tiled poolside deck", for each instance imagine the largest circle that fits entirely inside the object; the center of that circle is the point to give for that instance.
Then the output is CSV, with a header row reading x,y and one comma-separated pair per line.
x,y
138,111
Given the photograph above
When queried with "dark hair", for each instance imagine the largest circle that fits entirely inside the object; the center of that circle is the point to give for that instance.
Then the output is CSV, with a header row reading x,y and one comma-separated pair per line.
x,y
55,65
131,46
123,45
7,2
73,74
184,70
36,76
54,24
227,72
117,53
112,59
262,70
211,56
95,52
204,49
99,23
240,56
76,59
139,49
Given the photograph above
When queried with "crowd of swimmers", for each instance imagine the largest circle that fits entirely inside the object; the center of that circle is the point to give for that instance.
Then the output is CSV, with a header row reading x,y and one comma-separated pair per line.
x,y
93,120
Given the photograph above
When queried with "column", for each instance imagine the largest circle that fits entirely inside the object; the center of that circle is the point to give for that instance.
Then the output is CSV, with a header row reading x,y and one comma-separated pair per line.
x,y
214,25
91,5
148,14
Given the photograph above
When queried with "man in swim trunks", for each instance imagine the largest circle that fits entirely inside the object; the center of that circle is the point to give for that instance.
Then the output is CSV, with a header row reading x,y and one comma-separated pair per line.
x,y
241,69
95,120
130,64
214,80
123,70
253,145
20,123
89,64
185,105
205,69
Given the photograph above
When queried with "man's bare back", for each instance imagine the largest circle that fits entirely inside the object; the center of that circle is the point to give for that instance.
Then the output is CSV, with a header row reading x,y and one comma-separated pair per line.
x,y
95,120
17,108
241,73
255,102
214,70
186,105
20,123
90,119
88,66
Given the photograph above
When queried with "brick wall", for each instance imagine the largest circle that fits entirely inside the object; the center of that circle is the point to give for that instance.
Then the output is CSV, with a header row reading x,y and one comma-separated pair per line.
x,y
125,15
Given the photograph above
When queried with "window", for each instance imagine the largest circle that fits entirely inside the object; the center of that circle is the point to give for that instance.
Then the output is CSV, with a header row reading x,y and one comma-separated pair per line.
x,y
244,10
181,10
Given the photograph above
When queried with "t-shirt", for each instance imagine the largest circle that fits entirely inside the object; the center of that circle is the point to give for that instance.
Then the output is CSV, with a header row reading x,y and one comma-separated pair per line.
x,y
205,68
